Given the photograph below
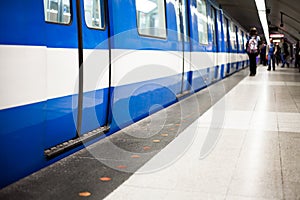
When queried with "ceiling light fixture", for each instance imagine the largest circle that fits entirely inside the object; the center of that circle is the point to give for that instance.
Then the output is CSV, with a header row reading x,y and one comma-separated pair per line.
x,y
282,13
261,9
281,20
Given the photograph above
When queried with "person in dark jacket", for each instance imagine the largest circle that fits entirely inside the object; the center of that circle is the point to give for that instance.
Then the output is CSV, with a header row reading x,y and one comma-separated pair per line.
x,y
285,53
297,55
277,53
263,53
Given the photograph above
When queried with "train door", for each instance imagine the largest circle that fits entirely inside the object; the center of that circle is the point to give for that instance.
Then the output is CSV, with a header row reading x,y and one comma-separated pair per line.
x,y
245,55
224,46
234,47
227,45
241,48
95,88
77,53
183,37
215,45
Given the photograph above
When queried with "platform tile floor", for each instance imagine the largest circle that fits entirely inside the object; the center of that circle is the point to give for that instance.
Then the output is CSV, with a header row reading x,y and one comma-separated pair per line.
x,y
245,147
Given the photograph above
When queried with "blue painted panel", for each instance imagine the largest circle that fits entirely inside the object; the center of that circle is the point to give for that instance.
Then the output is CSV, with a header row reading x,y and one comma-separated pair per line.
x,y
21,153
222,71
200,79
22,22
135,101
93,38
126,36
94,110
61,120
63,36
13,119
216,73
187,81
228,71
21,141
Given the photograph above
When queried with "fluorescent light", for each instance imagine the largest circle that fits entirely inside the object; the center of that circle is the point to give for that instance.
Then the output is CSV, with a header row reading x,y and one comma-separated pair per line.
x,y
260,5
264,23
145,6
278,35
261,9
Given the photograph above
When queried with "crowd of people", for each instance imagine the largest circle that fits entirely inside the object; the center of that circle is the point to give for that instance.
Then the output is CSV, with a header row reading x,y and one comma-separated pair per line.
x,y
271,54
279,53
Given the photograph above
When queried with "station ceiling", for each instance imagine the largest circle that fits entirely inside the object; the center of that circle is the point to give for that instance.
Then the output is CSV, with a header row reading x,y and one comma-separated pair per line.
x,y
245,13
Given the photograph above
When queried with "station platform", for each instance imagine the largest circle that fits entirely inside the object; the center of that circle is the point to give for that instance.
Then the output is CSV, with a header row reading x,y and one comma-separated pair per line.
x,y
238,139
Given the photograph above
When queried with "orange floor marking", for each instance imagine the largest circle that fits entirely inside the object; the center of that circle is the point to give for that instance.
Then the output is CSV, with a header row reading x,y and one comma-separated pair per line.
x,y
146,148
105,179
135,156
122,167
84,194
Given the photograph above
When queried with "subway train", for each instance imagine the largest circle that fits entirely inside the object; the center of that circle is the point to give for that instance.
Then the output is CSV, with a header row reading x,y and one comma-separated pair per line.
x,y
75,71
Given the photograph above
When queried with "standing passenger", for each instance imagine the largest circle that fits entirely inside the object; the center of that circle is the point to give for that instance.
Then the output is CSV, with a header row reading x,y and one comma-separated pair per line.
x,y
271,55
263,54
253,50
277,53
291,53
285,53
297,55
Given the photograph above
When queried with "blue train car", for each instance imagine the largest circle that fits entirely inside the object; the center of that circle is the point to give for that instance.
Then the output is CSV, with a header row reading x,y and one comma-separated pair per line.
x,y
74,71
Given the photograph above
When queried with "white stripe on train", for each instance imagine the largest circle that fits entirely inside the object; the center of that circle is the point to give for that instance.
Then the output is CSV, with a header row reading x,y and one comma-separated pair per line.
x,y
31,74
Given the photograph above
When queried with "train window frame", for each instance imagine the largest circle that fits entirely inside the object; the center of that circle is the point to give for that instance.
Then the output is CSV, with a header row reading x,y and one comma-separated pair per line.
x,y
233,43
213,24
245,38
226,31
164,15
205,20
46,8
240,39
102,15
186,34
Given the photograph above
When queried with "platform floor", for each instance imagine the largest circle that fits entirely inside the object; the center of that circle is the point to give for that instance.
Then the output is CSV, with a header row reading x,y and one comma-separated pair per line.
x,y
239,139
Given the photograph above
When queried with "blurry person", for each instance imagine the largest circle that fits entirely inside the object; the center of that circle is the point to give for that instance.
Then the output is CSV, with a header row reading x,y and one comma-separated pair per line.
x,y
271,55
285,53
297,55
277,53
291,53
263,59
253,50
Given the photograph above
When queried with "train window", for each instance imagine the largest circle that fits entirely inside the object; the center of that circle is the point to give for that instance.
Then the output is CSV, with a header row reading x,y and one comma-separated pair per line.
x,y
213,25
245,41
233,36
94,14
181,19
57,11
202,22
241,40
225,29
151,18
